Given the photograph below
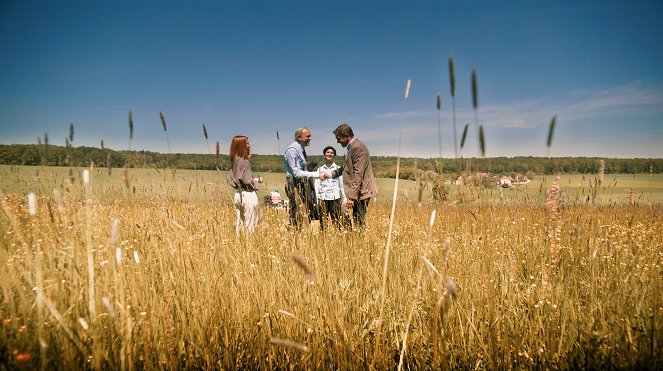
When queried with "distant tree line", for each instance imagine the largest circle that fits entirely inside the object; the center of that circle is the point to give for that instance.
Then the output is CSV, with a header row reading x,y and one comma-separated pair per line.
x,y
383,166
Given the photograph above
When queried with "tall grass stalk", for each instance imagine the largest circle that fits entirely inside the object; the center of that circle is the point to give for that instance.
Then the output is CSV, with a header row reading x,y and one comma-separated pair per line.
x,y
165,130
551,132
278,142
383,291
452,88
439,126
475,105
131,131
206,139
88,239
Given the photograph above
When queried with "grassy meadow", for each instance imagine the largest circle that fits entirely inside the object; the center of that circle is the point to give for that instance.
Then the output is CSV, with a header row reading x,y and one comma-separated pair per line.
x,y
143,270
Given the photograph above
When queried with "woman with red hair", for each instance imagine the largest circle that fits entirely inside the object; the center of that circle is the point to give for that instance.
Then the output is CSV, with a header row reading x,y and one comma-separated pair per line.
x,y
241,178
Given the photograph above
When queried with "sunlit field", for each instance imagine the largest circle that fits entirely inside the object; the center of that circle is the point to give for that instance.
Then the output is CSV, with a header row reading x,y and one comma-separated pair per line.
x,y
143,270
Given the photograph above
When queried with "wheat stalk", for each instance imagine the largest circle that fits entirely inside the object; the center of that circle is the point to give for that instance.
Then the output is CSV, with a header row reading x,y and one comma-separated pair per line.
x,y
301,262
463,136
131,130
206,141
290,344
482,141
391,226
165,130
551,131
475,105
218,152
88,235
452,86
439,126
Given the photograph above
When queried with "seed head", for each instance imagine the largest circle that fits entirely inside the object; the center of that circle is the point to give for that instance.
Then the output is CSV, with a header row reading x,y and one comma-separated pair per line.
x,y
163,121
131,127
482,141
551,130
462,137
32,204
452,80
451,287
475,101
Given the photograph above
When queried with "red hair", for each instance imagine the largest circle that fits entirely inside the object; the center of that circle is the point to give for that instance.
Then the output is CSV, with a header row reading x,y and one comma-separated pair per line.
x,y
239,147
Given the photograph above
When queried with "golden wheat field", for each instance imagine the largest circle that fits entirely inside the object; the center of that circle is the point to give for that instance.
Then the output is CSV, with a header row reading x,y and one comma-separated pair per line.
x,y
143,270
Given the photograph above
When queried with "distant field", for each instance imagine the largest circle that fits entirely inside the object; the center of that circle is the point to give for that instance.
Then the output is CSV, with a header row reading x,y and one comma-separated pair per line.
x,y
202,185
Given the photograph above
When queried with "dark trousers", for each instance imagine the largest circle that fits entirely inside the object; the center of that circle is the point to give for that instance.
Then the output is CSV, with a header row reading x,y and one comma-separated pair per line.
x,y
302,204
359,212
330,208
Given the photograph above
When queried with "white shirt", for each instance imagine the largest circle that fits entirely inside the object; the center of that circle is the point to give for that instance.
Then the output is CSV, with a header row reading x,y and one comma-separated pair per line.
x,y
329,189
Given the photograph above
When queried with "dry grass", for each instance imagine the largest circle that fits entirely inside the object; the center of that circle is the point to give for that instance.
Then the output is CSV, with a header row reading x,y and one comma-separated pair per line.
x,y
174,288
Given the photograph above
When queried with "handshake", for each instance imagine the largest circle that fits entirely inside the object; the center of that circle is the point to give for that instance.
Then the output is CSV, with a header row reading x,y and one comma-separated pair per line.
x,y
333,174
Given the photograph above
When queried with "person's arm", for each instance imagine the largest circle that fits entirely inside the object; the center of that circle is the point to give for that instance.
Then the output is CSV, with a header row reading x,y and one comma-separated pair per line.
x,y
317,185
293,163
340,185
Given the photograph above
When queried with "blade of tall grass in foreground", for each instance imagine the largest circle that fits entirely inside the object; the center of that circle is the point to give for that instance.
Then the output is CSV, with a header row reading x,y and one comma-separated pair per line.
x,y
482,141
131,131
439,126
71,132
90,249
206,139
391,228
278,141
475,103
452,86
218,152
464,136
165,130
551,131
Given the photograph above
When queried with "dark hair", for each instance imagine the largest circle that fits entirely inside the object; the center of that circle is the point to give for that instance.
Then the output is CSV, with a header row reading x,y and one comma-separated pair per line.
x,y
327,148
239,147
344,130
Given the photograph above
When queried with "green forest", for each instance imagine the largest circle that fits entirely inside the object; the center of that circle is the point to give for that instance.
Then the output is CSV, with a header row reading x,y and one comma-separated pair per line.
x,y
383,166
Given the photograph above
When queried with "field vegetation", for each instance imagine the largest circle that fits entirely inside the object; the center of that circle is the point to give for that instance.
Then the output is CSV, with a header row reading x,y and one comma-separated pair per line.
x,y
141,269
383,166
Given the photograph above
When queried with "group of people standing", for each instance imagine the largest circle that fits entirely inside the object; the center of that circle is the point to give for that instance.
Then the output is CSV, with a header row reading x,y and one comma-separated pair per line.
x,y
313,193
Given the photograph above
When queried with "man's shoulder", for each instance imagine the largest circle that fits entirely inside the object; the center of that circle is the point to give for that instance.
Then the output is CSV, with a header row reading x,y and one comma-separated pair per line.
x,y
358,145
294,147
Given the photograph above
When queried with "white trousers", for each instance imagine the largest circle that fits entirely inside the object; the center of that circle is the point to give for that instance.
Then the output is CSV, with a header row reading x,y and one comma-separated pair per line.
x,y
246,206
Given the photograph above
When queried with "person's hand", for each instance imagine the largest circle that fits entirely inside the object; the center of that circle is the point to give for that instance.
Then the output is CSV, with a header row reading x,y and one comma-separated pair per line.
x,y
323,175
349,204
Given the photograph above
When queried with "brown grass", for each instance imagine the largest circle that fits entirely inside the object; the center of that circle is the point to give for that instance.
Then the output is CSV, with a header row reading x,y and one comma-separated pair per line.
x,y
199,297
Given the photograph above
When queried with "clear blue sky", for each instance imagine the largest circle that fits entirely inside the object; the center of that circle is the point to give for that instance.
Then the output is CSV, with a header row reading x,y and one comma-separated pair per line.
x,y
255,67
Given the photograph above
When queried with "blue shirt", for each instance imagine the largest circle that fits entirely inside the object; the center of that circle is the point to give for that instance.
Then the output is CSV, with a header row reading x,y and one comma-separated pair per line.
x,y
295,162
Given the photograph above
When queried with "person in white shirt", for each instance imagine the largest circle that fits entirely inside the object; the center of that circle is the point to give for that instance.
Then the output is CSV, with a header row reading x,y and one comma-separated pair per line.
x,y
330,190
